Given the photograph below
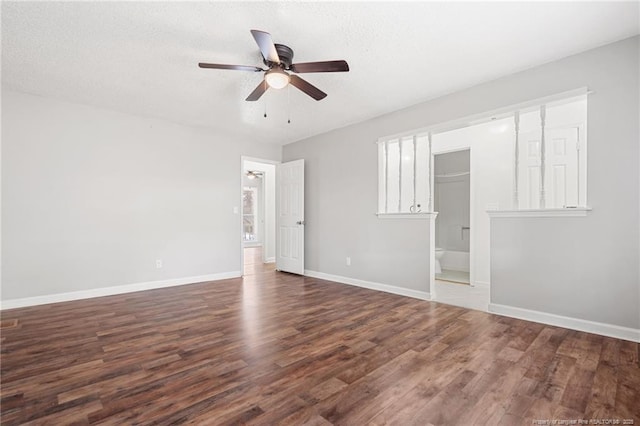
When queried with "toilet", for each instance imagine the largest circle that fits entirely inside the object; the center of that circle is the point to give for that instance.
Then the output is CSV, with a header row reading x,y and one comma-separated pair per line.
x,y
439,254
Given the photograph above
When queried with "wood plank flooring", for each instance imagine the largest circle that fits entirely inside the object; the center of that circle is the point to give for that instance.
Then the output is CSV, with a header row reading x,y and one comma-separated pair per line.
x,y
275,348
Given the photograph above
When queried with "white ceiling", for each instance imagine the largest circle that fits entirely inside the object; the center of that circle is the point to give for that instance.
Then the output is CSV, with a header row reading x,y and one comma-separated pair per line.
x,y
141,57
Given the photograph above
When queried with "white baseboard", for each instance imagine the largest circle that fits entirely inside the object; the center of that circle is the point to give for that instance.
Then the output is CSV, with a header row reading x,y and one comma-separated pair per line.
x,y
483,284
270,260
422,295
603,329
110,291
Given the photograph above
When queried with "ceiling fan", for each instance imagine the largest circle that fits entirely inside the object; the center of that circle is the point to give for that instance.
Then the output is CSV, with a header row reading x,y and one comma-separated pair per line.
x,y
280,70
253,174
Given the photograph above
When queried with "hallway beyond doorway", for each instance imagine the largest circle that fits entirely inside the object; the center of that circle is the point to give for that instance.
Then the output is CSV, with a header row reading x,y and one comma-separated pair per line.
x,y
253,263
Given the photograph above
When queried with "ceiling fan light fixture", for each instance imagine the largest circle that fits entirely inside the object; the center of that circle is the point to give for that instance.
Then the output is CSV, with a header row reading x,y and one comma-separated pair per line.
x,y
277,78
254,174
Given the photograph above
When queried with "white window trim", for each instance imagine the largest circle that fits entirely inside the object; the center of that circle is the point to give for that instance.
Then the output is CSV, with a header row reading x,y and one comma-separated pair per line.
x,y
566,212
479,118
421,215
486,116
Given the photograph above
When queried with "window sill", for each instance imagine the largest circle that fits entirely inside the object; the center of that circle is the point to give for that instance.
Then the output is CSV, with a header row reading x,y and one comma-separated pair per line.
x,y
421,215
573,212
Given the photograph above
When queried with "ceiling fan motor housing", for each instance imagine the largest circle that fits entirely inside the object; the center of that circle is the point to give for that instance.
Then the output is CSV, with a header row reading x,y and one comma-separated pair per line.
x,y
286,56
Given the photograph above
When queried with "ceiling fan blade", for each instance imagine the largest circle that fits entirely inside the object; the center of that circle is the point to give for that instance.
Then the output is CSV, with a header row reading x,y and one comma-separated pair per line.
x,y
258,91
265,43
230,67
307,88
325,66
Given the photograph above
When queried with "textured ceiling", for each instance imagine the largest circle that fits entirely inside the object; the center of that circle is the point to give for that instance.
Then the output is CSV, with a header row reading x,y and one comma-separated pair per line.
x,y
141,57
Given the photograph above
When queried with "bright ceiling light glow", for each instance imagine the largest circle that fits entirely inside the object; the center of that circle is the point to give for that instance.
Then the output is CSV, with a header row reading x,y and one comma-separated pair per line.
x,y
276,78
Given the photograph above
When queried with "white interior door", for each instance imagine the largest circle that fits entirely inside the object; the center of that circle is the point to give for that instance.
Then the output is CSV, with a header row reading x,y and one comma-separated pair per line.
x,y
561,164
561,177
290,217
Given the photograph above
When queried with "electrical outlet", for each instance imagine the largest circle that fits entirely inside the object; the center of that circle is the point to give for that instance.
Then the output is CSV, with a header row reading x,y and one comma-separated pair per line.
x,y
348,261
158,263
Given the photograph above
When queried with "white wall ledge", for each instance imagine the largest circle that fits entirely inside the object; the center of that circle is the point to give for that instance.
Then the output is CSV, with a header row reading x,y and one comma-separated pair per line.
x,y
566,212
421,215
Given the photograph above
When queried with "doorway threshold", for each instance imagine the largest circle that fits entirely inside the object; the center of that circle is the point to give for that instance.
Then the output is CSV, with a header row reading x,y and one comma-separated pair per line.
x,y
459,277
462,295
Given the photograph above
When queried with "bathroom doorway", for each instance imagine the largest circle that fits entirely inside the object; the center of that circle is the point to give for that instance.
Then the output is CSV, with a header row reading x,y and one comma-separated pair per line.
x,y
452,201
467,251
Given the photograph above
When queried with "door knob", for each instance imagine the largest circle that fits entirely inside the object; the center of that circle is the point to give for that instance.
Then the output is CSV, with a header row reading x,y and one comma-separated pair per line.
x,y
300,222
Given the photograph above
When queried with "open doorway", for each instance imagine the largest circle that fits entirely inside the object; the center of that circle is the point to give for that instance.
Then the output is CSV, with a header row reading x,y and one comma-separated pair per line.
x,y
489,149
455,187
452,201
258,229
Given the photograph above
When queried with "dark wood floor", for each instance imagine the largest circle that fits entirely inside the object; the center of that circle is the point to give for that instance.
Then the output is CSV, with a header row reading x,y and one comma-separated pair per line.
x,y
278,348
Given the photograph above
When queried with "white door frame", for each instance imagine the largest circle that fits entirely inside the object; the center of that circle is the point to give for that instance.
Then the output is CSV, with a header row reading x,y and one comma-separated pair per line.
x,y
244,158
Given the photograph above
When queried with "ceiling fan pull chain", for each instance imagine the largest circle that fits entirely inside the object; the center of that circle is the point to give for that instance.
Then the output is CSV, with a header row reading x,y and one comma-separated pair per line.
x,y
288,104
265,99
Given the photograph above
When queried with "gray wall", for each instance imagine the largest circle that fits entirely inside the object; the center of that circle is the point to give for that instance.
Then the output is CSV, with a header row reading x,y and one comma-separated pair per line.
x,y
340,204
582,267
91,198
